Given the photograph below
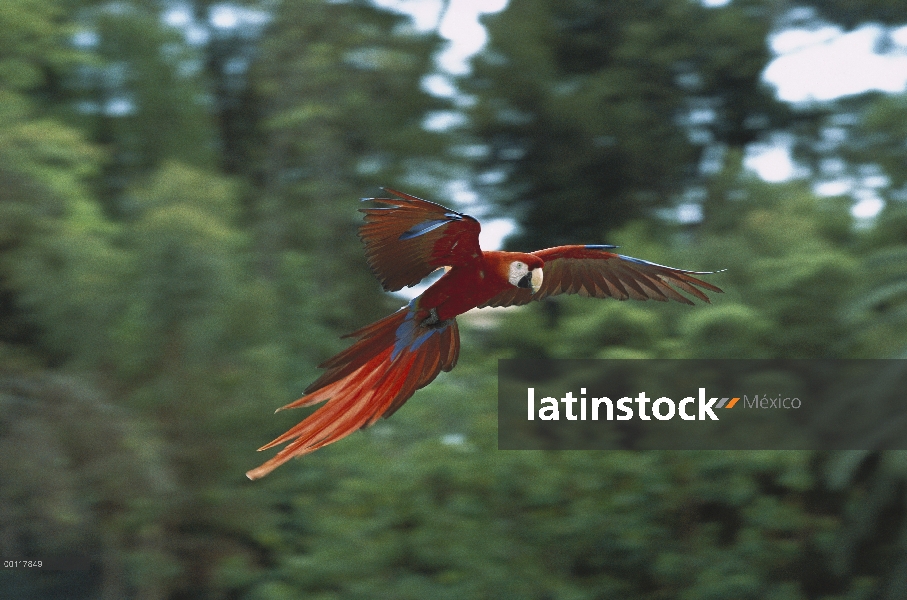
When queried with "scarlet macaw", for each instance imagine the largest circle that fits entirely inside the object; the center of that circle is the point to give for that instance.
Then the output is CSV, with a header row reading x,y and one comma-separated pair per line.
x,y
392,358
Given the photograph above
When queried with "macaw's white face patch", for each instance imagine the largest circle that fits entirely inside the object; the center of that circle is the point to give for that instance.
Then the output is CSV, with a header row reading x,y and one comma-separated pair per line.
x,y
518,270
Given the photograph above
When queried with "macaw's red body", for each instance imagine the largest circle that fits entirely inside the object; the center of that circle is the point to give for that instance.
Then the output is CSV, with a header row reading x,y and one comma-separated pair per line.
x,y
392,358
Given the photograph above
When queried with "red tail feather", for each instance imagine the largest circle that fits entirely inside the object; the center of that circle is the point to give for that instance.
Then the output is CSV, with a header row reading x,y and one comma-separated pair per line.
x,y
391,359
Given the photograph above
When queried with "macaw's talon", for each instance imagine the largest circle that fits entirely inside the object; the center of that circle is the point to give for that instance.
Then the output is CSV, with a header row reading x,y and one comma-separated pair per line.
x,y
407,239
432,321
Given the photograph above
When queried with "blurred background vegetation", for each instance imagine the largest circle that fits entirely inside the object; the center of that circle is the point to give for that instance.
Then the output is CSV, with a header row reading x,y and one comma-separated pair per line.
x,y
178,251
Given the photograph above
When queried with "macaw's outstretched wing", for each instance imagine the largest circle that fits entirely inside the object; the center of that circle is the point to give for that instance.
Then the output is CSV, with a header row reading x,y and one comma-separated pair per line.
x,y
594,271
390,360
412,237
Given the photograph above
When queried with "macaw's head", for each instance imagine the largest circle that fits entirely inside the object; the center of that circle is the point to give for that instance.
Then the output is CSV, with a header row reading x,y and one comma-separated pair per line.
x,y
526,272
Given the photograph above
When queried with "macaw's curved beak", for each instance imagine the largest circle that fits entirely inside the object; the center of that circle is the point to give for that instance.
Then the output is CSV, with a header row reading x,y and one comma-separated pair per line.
x,y
532,280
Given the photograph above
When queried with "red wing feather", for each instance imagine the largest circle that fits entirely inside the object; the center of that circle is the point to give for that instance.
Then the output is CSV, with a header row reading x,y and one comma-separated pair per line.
x,y
391,359
593,271
411,237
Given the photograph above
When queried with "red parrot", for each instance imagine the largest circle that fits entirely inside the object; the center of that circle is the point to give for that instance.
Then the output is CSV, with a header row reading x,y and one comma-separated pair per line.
x,y
392,358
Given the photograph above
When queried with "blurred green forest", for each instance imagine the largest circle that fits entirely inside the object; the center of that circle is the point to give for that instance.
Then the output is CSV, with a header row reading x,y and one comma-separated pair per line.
x,y
178,252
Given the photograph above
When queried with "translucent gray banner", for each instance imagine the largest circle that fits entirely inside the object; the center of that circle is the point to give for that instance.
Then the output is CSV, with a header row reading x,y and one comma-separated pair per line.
x,y
778,404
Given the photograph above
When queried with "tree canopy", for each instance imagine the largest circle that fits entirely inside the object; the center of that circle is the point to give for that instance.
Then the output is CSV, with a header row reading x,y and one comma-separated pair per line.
x,y
178,253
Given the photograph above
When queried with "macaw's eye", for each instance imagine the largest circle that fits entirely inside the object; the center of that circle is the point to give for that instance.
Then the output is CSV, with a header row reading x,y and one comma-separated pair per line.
x,y
518,270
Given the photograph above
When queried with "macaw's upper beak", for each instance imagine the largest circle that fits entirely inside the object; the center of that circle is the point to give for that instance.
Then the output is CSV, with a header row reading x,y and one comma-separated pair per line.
x,y
536,282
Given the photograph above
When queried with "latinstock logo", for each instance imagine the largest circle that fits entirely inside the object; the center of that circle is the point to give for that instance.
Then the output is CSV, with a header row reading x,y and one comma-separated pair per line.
x,y
626,407
686,404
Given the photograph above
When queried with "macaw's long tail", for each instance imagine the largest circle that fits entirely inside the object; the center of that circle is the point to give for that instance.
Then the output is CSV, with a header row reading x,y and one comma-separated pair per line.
x,y
390,360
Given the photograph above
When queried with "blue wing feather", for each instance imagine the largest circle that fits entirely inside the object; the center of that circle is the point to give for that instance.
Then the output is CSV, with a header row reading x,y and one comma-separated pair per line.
x,y
423,228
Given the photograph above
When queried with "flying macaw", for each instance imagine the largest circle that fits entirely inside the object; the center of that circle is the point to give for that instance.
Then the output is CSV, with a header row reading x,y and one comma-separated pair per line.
x,y
405,241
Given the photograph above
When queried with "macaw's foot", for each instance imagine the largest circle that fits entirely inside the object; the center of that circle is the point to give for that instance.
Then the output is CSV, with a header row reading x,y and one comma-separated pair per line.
x,y
433,322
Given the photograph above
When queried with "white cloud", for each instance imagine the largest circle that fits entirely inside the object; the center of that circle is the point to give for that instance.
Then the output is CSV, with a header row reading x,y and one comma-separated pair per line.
x,y
224,17
824,64
493,233
459,24
867,207
439,85
443,120
837,187
179,16
771,163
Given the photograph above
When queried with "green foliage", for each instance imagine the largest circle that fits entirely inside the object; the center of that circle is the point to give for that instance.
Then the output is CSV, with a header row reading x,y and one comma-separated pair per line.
x,y
178,253
342,108
879,135
571,118
459,522
57,261
82,477
141,95
34,42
